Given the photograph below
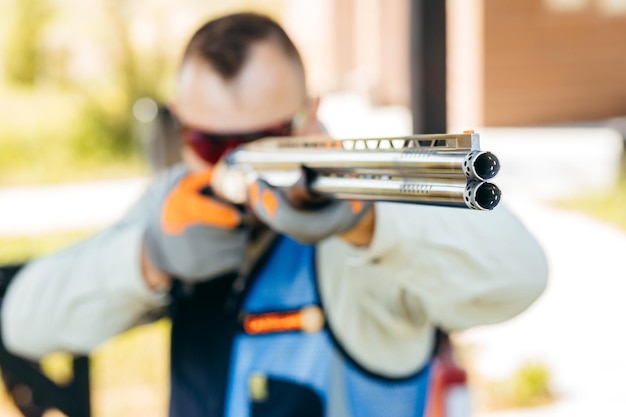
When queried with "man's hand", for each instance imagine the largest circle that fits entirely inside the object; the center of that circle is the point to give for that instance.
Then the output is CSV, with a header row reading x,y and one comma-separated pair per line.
x,y
308,218
362,234
230,184
196,236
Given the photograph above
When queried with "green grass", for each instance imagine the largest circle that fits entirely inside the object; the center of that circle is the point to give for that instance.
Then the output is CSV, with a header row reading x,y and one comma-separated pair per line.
x,y
529,386
22,248
130,374
608,206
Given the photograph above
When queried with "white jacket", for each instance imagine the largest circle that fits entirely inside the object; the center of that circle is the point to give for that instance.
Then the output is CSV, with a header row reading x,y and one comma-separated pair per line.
x,y
427,266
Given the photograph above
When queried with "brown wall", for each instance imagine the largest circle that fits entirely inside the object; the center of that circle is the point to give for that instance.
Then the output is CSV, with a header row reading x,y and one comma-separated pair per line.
x,y
542,66
355,45
393,82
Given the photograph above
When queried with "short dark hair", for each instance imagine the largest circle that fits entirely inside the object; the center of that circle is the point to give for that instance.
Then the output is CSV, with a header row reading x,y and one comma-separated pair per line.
x,y
224,42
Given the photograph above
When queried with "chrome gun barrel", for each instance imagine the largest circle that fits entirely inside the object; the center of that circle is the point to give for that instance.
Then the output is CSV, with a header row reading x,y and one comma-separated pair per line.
x,y
444,170
412,162
474,194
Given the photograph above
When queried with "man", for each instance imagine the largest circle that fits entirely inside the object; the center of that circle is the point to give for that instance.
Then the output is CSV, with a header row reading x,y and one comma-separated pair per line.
x,y
335,317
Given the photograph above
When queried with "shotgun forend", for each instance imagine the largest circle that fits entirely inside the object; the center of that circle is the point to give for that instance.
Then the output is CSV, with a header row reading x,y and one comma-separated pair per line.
x,y
445,170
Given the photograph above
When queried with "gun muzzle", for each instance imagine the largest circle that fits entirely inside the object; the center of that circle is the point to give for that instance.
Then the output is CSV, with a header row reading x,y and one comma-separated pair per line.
x,y
453,193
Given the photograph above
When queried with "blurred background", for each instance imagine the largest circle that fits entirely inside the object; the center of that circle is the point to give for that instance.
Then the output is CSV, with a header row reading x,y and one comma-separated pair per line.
x,y
542,81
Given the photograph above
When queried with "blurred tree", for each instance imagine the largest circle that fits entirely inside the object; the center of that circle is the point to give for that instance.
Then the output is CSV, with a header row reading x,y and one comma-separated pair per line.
x,y
132,71
23,53
89,61
138,76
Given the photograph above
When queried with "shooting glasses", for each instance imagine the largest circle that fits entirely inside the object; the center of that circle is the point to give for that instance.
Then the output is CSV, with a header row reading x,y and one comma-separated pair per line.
x,y
212,146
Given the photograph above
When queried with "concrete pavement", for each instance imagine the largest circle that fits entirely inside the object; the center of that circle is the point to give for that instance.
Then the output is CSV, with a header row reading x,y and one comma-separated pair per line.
x,y
53,208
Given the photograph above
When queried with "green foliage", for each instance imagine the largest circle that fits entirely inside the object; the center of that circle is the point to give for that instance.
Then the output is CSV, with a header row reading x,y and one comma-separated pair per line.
x,y
51,136
73,129
107,130
24,51
608,206
529,386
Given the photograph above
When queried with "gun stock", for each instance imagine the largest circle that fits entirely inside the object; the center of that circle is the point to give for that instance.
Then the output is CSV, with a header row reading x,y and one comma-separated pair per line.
x,y
443,170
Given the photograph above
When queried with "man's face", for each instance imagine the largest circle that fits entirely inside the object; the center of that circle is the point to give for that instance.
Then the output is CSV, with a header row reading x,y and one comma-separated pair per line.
x,y
268,91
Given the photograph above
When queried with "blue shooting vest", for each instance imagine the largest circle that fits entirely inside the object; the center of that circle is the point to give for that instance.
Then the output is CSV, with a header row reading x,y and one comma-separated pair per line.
x,y
220,370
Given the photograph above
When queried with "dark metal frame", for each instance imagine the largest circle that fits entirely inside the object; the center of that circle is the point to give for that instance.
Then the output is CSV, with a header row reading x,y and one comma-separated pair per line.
x,y
427,62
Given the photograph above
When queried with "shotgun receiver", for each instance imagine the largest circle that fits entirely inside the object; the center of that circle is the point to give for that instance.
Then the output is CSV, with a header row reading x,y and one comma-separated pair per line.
x,y
443,170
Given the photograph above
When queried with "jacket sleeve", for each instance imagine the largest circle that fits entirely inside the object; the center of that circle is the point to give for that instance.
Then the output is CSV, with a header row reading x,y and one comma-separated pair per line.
x,y
80,297
427,267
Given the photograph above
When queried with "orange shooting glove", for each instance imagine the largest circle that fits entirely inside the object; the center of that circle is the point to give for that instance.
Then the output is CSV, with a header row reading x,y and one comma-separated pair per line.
x,y
196,236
